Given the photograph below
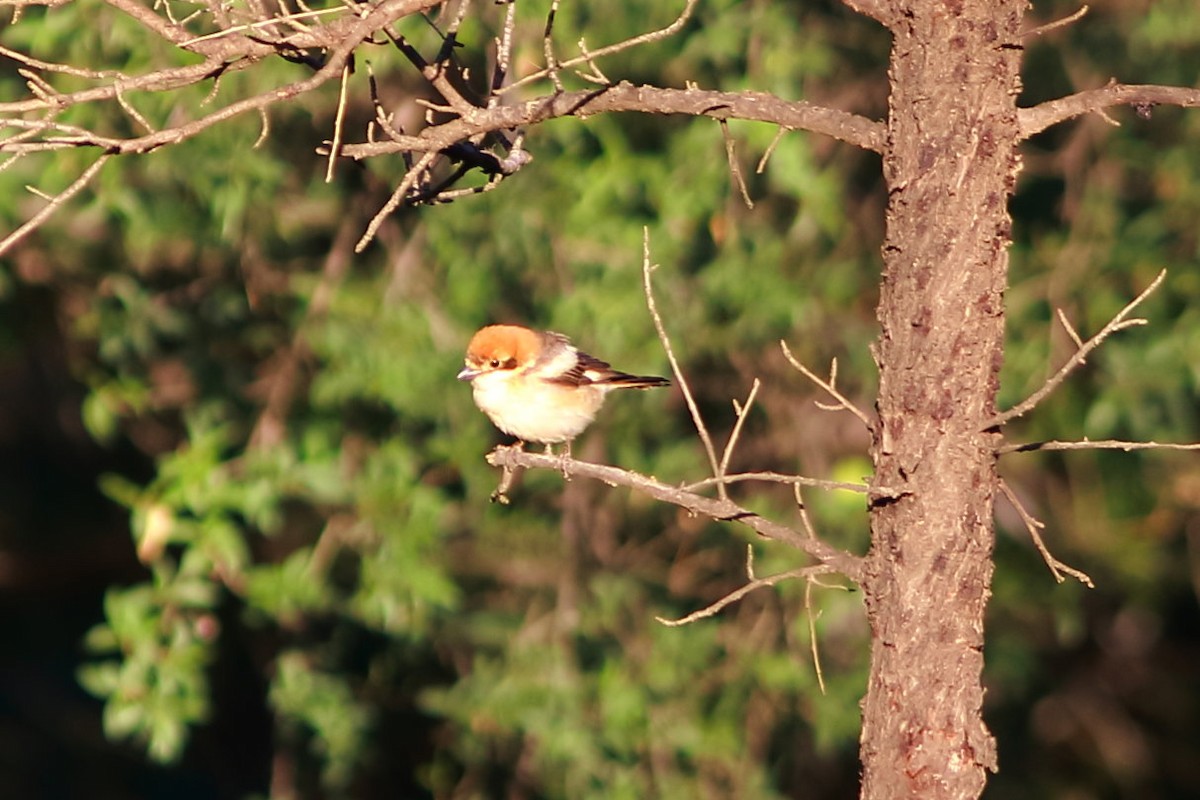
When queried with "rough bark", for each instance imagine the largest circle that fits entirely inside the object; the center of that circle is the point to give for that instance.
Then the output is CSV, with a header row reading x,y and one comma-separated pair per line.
x,y
950,165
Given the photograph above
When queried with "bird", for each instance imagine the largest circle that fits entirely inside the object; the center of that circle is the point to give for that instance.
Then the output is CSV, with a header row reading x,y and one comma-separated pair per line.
x,y
537,386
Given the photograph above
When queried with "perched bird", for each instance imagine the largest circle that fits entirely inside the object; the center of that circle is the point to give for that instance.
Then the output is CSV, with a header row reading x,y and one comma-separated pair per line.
x,y
536,386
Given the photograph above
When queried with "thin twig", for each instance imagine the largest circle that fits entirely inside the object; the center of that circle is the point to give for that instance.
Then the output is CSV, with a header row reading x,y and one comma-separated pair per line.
x,y
56,203
626,44
766,156
776,477
1117,323
1049,26
812,634
734,169
648,287
1035,526
594,74
409,180
134,113
742,412
829,386
552,66
504,44
65,69
263,24
1103,444
805,521
723,510
742,591
339,119
1070,329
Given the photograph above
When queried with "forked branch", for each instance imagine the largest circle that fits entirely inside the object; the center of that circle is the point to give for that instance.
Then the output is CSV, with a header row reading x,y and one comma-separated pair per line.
x,y
1035,526
1142,97
1120,322
464,136
720,509
830,387
715,608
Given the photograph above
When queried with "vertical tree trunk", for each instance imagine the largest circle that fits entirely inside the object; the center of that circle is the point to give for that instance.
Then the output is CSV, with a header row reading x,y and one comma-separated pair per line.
x,y
950,167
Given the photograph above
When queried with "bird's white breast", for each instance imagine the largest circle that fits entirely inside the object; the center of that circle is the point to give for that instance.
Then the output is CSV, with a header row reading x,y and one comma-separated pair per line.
x,y
536,411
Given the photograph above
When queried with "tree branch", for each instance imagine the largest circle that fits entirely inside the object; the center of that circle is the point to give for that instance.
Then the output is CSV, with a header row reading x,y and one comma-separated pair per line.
x,y
55,203
829,386
752,106
737,594
701,428
1117,323
1034,526
776,477
1034,120
724,510
1102,444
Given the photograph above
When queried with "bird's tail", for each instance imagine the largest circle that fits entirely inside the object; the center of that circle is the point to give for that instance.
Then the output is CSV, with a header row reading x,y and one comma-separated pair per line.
x,y
621,380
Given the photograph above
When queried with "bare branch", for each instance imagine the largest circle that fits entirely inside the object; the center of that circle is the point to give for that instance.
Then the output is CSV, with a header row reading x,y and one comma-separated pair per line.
x,y
1117,323
775,477
232,29
55,203
701,428
1035,526
406,184
1070,329
742,412
721,509
65,69
590,56
552,66
828,386
339,119
812,633
737,594
754,106
734,169
1059,23
504,46
1036,119
766,156
1100,444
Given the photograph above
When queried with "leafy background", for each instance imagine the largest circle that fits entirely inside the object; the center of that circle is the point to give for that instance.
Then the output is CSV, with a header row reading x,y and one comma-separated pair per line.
x,y
245,543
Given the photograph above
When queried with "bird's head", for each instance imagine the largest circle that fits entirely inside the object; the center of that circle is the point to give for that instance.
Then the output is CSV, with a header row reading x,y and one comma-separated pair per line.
x,y
499,348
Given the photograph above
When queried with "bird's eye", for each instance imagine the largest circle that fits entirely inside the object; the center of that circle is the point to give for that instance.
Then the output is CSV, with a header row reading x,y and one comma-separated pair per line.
x,y
494,363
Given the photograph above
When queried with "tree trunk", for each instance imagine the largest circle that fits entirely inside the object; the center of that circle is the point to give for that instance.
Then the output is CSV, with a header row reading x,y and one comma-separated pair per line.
x,y
950,167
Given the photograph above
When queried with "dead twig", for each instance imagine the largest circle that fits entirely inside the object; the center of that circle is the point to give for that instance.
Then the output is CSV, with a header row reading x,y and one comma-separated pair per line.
x,y
742,411
776,477
766,156
406,184
339,120
1119,322
829,386
1058,23
1034,120
734,170
720,509
701,428
626,44
57,202
742,591
1035,526
1100,444
812,633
